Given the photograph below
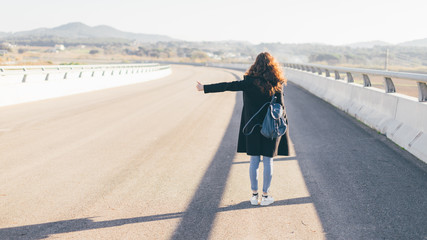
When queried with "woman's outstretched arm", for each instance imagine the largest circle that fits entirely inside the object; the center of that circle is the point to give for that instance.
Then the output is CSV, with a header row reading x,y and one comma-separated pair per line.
x,y
221,87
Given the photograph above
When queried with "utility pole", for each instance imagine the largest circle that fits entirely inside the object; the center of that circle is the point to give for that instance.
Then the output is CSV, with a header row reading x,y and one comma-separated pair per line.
x,y
386,60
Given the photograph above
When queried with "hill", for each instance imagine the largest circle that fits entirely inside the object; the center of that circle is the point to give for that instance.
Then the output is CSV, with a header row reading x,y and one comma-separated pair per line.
x,y
80,33
369,44
415,43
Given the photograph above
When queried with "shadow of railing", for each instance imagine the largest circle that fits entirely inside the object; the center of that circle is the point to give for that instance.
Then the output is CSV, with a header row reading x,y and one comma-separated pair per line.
x,y
45,230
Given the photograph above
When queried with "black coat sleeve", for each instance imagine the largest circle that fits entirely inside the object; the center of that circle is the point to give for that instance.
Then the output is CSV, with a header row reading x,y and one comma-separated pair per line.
x,y
225,86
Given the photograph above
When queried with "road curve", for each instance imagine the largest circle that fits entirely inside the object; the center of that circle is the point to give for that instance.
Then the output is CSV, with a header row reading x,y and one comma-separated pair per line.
x,y
157,160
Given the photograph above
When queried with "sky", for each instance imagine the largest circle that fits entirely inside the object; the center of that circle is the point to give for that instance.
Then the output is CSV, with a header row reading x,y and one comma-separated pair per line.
x,y
333,22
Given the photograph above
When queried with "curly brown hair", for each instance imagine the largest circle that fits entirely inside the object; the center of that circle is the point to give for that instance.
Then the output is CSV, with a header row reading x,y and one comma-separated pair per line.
x,y
271,75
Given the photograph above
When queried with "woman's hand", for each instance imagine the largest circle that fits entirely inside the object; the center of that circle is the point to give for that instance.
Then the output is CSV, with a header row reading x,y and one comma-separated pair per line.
x,y
199,86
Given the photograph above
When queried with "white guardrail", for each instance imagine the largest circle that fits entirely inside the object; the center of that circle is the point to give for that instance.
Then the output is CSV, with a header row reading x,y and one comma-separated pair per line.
x,y
20,84
421,79
403,119
64,71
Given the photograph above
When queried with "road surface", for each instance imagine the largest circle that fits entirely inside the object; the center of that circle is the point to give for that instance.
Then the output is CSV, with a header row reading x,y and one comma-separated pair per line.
x,y
157,160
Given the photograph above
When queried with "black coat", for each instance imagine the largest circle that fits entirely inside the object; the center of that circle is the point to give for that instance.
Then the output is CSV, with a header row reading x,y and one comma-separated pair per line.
x,y
255,144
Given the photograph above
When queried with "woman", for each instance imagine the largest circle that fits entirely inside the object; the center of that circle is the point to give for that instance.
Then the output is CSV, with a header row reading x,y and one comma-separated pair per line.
x,y
263,80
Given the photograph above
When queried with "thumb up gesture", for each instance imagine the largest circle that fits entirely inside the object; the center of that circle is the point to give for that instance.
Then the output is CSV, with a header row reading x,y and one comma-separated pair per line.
x,y
199,86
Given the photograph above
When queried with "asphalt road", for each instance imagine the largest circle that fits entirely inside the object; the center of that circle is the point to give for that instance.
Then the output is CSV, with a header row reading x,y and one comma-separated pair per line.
x,y
157,160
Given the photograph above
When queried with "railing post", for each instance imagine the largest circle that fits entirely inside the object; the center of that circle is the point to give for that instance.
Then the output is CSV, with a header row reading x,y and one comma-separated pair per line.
x,y
313,70
422,91
337,75
25,75
47,77
65,75
80,75
389,86
366,81
349,77
93,73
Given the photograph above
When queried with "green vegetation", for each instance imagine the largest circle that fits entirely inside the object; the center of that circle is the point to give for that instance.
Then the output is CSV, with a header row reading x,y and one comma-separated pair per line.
x,y
77,41
93,51
400,57
71,63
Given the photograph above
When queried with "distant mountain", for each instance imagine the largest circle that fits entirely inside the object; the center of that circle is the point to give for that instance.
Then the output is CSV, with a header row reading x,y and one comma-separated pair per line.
x,y
79,30
415,43
369,44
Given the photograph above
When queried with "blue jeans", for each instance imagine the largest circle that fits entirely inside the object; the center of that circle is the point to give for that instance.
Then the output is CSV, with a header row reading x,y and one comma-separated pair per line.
x,y
268,172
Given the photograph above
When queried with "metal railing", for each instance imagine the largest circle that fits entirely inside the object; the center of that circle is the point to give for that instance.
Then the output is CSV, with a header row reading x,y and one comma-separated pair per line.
x,y
420,79
65,70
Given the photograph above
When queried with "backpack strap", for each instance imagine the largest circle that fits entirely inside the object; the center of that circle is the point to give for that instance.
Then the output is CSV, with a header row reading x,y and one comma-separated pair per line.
x,y
273,98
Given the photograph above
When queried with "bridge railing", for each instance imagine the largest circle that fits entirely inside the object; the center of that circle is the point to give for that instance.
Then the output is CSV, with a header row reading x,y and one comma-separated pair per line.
x,y
388,76
22,73
20,84
400,117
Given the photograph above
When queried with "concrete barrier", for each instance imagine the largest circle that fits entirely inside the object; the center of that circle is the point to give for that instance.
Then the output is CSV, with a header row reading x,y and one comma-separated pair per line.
x,y
401,118
36,87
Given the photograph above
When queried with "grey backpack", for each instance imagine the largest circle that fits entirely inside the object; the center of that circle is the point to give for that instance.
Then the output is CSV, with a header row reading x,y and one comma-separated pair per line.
x,y
274,123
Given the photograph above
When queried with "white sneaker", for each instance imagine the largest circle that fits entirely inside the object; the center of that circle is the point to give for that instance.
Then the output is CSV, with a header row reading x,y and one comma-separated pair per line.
x,y
254,200
265,201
